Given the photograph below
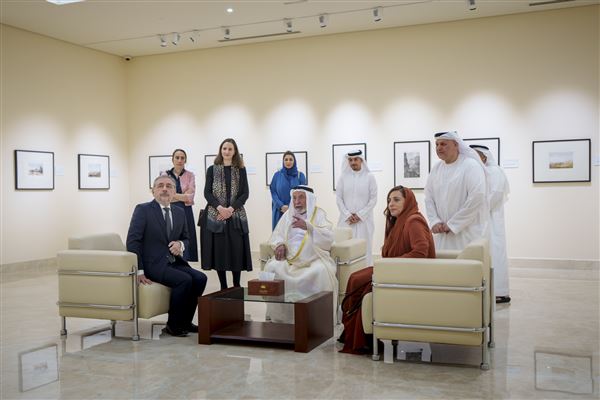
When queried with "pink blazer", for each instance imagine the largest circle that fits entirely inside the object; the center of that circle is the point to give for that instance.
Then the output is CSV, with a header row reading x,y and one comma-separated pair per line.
x,y
188,186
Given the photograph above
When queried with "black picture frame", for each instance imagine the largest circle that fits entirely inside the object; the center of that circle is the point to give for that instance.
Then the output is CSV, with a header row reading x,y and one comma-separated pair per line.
x,y
158,164
271,157
561,161
339,150
413,178
492,143
94,176
34,170
208,161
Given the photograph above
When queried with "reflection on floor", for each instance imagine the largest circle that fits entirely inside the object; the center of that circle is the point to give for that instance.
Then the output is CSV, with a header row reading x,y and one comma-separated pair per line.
x,y
546,347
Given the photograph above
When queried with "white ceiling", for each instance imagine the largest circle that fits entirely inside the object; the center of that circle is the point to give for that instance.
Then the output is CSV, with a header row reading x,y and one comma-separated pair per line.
x,y
131,27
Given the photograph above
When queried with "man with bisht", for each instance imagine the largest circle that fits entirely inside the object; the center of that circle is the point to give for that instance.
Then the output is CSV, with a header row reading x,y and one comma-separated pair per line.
x,y
301,242
498,190
356,196
455,194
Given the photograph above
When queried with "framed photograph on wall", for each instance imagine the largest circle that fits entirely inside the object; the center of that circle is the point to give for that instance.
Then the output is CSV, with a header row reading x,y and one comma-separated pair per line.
x,y
412,163
274,162
38,367
156,165
562,160
34,170
491,143
93,171
339,151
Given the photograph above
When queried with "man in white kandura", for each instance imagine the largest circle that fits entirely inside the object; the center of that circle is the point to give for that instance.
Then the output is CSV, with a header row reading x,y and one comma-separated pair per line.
x,y
301,241
356,196
498,190
455,194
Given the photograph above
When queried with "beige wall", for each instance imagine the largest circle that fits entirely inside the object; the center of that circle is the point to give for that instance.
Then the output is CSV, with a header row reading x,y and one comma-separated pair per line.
x,y
520,77
66,99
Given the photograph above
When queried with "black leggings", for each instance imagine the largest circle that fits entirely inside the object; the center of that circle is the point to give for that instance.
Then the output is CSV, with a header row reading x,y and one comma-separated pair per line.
x,y
223,278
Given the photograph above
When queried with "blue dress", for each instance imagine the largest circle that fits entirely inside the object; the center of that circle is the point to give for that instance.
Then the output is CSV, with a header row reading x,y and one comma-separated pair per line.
x,y
283,181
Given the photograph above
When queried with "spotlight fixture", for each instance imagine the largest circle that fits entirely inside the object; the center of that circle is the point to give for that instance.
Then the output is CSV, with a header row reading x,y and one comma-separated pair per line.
x,y
163,41
323,19
226,33
288,25
377,14
194,35
472,5
176,37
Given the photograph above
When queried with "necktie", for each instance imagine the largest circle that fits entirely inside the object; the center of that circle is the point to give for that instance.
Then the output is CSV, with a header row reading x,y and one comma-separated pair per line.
x,y
168,221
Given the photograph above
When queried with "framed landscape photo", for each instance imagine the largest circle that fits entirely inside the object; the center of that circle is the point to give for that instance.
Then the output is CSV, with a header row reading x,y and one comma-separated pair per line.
x,y
562,160
34,170
274,162
491,143
156,165
339,152
412,163
93,171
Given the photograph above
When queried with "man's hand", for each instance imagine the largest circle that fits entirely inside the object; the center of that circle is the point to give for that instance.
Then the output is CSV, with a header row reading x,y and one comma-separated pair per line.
x,y
280,252
143,280
299,223
353,219
440,227
175,248
284,209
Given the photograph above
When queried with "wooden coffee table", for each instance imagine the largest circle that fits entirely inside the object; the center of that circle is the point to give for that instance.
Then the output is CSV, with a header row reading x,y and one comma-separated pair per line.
x,y
221,317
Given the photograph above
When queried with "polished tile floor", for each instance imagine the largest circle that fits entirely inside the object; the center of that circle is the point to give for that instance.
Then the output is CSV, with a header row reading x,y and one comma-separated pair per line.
x,y
546,347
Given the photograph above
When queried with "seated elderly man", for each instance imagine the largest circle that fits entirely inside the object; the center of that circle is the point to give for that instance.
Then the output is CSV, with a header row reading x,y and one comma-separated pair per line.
x,y
301,242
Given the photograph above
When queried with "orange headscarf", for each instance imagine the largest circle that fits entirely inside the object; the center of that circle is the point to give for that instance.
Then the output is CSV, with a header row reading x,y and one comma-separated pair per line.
x,y
393,244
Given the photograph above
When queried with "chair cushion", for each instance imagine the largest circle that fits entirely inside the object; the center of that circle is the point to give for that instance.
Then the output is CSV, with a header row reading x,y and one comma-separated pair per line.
x,y
350,249
153,300
103,241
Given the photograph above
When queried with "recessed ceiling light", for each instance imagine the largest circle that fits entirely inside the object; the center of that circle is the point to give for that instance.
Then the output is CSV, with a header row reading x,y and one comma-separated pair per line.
x,y
229,10
61,2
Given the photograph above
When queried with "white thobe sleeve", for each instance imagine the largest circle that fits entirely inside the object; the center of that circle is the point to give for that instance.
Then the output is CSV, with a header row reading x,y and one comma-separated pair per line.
x,y
497,184
339,199
321,232
474,186
432,215
363,213
278,235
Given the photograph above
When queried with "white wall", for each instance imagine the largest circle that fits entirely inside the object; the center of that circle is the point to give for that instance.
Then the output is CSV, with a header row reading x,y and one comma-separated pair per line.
x,y
519,77
66,99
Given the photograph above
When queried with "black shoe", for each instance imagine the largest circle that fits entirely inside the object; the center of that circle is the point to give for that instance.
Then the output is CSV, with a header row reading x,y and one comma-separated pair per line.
x,y
192,328
174,332
502,299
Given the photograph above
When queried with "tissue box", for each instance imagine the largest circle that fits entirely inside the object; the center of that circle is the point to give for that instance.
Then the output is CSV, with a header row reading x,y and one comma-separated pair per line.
x,y
266,288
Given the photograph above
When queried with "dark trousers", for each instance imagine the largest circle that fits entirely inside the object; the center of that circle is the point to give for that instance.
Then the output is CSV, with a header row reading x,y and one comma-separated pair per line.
x,y
187,284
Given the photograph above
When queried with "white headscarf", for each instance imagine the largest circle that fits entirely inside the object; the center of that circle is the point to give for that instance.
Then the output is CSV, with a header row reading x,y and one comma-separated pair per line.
x,y
346,169
463,148
491,162
311,199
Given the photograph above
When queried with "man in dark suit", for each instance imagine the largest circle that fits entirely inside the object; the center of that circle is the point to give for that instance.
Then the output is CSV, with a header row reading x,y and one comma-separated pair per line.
x,y
158,235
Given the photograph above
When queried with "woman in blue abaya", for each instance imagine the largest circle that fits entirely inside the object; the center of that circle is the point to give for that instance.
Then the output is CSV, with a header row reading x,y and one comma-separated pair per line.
x,y
281,184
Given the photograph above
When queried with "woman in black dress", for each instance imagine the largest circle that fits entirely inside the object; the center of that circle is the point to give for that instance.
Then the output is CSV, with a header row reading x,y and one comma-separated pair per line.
x,y
224,241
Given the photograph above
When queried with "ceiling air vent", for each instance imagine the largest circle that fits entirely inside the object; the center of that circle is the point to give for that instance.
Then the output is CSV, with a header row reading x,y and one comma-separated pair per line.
x,y
545,3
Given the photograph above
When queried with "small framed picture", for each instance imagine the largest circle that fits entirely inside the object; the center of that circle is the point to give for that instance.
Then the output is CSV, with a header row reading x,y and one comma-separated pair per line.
x,y
491,143
93,171
274,162
562,160
156,165
412,163
339,152
38,367
34,170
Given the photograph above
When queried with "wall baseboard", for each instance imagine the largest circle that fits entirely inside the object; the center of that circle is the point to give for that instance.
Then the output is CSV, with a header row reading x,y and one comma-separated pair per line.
x,y
33,266
554,263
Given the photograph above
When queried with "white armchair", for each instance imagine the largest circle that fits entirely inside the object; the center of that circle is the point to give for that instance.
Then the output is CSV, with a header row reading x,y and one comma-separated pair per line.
x,y
445,300
97,278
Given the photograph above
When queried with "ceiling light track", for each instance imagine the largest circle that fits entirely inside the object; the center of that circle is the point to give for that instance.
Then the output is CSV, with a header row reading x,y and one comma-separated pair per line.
x,y
260,36
544,3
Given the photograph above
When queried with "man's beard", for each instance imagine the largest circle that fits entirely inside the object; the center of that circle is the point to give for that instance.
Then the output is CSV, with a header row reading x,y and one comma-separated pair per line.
x,y
300,211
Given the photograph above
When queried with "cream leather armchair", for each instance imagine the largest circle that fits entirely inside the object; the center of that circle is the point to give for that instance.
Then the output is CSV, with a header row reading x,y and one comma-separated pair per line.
x,y
447,300
349,255
97,279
